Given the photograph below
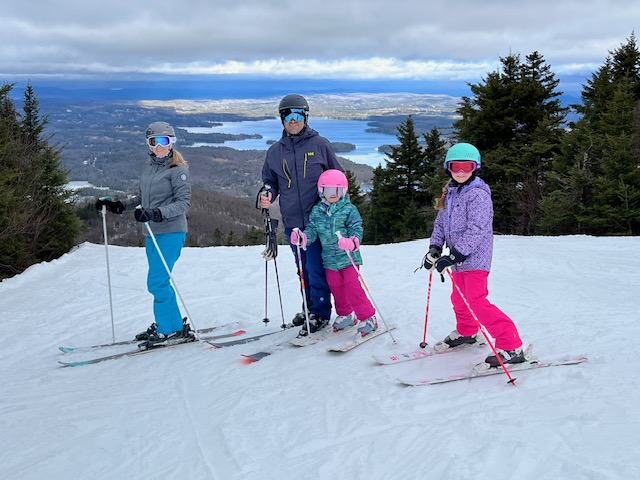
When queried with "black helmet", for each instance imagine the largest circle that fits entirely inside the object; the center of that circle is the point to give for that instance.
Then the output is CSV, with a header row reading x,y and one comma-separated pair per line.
x,y
160,128
293,100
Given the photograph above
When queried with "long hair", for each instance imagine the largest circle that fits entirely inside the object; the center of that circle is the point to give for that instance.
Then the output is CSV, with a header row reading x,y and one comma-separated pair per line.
x,y
178,159
441,201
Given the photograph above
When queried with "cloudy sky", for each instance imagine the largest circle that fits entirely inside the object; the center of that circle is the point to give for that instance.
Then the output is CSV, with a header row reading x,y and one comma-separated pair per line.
x,y
414,39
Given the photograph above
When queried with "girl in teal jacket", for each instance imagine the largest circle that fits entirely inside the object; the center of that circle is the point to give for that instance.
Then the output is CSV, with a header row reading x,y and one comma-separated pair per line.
x,y
338,225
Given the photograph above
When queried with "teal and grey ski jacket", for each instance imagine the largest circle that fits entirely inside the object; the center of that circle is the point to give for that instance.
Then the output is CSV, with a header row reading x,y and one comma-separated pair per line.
x,y
325,220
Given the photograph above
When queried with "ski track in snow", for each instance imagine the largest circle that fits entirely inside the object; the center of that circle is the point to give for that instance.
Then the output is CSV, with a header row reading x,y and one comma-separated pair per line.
x,y
302,413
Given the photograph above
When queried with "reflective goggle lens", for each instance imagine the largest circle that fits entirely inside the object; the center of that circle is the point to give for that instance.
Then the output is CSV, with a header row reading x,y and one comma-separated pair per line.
x,y
461,166
163,141
297,114
332,191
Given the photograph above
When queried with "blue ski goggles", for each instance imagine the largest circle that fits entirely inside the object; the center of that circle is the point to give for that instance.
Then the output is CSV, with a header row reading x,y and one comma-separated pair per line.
x,y
160,141
295,114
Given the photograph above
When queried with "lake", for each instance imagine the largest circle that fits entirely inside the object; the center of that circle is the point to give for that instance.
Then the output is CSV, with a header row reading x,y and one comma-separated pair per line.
x,y
348,131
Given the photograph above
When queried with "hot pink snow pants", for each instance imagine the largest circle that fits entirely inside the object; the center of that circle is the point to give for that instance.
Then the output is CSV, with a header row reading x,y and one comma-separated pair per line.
x,y
348,293
473,285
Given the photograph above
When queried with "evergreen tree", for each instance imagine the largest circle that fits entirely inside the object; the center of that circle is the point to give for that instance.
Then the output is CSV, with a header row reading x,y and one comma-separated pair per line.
x,y
596,186
37,221
355,194
399,199
515,119
435,176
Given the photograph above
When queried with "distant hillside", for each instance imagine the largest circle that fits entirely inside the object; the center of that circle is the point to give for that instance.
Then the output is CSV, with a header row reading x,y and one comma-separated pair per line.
x,y
103,144
102,139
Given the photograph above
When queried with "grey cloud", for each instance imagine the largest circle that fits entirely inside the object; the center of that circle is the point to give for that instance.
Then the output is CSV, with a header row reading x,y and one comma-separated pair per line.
x,y
73,35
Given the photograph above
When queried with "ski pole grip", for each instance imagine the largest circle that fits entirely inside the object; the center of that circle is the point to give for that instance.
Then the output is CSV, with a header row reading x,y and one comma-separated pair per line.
x,y
338,234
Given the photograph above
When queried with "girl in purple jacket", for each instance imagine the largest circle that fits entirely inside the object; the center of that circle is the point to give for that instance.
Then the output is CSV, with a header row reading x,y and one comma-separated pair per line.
x,y
465,224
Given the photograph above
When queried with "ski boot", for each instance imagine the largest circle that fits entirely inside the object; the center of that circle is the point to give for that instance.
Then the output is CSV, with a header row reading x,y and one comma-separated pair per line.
x,y
365,327
156,339
508,357
453,340
316,323
148,332
344,321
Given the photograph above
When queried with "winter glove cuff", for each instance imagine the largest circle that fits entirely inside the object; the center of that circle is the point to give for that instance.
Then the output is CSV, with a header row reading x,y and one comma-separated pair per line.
x,y
431,256
446,261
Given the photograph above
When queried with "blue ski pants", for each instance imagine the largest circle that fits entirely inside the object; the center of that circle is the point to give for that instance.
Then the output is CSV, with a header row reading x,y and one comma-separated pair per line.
x,y
165,306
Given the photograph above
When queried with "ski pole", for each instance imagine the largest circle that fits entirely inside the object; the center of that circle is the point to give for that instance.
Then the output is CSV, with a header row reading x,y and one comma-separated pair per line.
x,y
271,252
265,320
423,344
275,264
106,251
364,284
173,282
482,329
304,291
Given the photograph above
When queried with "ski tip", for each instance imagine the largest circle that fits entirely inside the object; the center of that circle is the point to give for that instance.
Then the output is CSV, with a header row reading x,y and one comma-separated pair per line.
x,y
245,360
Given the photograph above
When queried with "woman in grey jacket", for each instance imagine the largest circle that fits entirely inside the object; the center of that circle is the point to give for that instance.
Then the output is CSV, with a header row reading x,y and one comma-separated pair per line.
x,y
165,193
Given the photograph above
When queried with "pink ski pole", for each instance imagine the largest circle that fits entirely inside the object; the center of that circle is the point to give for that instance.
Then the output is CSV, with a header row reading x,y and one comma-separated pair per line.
x,y
423,344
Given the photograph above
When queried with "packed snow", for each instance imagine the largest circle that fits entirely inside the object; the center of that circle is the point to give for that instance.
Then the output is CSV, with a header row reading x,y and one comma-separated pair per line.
x,y
195,412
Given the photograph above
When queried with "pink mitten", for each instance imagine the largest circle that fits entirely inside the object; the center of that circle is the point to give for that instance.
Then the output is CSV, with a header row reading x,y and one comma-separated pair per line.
x,y
347,244
298,238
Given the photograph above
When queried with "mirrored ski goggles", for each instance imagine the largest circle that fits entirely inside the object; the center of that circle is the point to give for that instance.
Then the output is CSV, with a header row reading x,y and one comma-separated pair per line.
x,y
160,141
463,166
332,192
289,114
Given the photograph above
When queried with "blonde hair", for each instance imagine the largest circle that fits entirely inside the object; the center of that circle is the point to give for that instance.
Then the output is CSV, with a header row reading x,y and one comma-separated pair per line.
x,y
441,201
178,159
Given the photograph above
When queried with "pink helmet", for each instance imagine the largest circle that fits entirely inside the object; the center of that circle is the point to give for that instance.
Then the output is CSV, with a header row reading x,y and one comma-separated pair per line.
x,y
333,178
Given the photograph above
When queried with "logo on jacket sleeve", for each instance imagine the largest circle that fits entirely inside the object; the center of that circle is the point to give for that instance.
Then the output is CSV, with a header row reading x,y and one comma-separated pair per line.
x,y
183,177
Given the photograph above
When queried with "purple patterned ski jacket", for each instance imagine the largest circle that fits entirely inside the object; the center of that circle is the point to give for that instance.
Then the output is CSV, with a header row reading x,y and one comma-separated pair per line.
x,y
466,224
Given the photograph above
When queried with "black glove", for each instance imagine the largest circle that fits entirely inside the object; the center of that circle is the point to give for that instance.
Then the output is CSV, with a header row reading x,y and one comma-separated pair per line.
x,y
113,207
143,215
432,255
271,238
449,260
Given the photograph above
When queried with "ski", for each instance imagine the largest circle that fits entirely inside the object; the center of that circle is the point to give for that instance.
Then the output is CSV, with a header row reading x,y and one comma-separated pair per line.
x,y
241,341
321,336
128,342
255,357
131,353
418,354
303,341
535,364
357,341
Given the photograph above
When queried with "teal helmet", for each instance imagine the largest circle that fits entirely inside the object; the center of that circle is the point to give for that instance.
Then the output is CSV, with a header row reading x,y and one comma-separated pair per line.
x,y
463,152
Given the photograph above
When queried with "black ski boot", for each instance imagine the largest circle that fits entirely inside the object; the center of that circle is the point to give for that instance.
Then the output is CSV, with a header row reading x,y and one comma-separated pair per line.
x,y
156,339
454,339
148,332
509,357
316,323
299,319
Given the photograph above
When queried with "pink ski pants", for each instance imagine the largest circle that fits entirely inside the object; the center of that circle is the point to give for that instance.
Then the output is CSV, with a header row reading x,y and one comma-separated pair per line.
x,y
348,293
473,285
